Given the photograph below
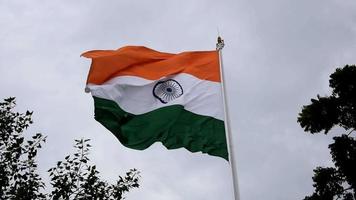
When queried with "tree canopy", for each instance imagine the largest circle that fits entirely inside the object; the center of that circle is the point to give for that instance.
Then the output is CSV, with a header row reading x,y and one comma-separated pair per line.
x,y
72,178
337,109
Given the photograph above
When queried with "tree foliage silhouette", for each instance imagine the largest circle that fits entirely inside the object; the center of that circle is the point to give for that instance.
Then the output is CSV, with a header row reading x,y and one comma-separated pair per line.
x,y
338,109
72,178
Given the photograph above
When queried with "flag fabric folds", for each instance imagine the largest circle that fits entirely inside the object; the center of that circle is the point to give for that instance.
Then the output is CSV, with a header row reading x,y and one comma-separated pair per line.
x,y
144,96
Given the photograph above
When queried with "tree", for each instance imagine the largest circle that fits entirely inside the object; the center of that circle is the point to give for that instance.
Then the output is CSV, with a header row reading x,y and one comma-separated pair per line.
x,y
72,178
324,113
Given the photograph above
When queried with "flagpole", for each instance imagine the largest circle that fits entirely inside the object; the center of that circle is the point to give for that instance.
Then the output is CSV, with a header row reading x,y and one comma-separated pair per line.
x,y
219,46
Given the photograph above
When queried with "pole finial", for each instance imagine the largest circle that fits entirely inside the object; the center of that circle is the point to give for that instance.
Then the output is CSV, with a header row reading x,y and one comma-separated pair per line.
x,y
220,44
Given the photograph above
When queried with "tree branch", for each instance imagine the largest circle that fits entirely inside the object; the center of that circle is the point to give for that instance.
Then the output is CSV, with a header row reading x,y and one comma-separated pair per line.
x,y
352,130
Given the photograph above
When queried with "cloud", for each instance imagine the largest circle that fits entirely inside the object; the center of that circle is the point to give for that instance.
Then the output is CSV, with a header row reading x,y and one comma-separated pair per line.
x,y
278,55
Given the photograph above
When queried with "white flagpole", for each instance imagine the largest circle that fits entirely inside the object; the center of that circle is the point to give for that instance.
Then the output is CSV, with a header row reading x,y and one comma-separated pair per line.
x,y
219,46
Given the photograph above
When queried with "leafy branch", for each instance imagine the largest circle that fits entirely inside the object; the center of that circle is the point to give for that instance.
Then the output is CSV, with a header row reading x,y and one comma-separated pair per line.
x,y
72,178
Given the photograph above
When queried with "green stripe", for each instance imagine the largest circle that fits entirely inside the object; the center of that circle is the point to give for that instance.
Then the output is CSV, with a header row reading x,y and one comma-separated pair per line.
x,y
174,126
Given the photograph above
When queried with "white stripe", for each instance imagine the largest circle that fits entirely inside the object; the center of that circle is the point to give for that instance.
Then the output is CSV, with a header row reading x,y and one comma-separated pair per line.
x,y
135,94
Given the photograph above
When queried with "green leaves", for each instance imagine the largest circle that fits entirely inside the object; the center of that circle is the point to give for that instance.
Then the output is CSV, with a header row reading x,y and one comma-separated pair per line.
x,y
330,182
72,178
327,182
75,178
343,152
321,114
338,109
18,176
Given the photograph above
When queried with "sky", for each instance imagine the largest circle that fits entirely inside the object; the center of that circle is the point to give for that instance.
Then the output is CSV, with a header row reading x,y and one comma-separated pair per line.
x,y
278,55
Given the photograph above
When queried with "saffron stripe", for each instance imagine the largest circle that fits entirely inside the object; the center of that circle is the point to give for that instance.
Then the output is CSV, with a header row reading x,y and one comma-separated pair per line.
x,y
150,64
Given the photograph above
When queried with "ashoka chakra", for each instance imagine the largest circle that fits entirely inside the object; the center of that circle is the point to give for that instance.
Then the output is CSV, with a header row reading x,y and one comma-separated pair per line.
x,y
167,90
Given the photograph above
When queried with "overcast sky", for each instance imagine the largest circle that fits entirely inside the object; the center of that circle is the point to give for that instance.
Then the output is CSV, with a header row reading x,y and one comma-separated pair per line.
x,y
278,55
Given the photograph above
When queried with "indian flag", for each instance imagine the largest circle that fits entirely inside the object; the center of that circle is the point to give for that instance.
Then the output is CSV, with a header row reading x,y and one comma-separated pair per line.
x,y
144,96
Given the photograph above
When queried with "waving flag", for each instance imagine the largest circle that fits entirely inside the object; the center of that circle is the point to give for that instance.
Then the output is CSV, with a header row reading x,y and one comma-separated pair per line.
x,y
144,96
